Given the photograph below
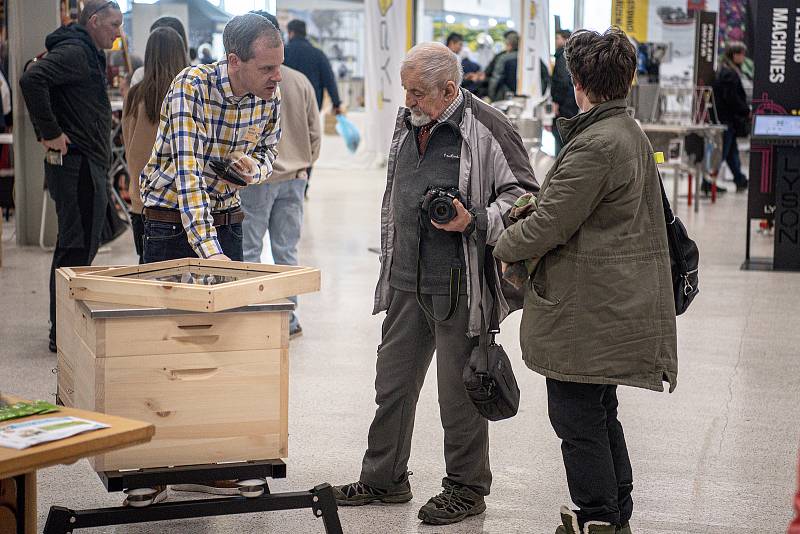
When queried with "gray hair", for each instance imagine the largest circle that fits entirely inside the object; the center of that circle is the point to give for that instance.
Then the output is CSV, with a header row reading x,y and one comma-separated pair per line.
x,y
435,63
96,7
242,31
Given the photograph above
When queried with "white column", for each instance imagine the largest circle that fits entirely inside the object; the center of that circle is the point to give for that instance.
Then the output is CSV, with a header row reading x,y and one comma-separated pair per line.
x,y
38,18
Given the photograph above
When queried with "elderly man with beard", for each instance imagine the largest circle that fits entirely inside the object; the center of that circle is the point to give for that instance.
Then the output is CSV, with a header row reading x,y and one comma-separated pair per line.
x,y
444,138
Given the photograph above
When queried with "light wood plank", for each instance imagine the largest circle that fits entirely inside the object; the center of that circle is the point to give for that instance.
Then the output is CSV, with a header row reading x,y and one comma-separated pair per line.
x,y
256,290
177,334
235,401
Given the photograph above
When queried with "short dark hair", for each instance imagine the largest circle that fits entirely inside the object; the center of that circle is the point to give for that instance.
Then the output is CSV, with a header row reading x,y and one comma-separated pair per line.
x,y
454,38
242,31
734,47
95,7
509,33
513,40
565,34
175,24
297,27
269,16
603,64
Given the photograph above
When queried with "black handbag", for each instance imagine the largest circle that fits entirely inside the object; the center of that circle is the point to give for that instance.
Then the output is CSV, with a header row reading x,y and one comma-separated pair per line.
x,y
488,376
684,258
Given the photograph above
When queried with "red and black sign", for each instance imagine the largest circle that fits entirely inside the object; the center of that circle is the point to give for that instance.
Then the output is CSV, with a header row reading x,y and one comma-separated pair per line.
x,y
773,192
705,48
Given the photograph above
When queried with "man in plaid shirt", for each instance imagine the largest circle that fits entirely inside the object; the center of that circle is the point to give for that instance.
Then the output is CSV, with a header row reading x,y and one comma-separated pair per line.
x,y
210,112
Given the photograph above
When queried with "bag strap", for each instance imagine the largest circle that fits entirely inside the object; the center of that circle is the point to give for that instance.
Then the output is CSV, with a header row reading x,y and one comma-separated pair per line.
x,y
669,217
675,249
487,334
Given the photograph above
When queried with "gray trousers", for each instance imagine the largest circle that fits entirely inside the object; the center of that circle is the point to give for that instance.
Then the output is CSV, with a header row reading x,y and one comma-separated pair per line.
x,y
409,339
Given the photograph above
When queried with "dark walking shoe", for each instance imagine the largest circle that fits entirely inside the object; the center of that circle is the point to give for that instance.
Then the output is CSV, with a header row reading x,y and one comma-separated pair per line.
x,y
705,187
569,525
358,493
741,186
454,503
624,529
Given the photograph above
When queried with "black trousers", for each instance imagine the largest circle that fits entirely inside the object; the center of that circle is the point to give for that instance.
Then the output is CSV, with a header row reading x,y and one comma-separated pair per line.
x,y
599,472
137,225
78,189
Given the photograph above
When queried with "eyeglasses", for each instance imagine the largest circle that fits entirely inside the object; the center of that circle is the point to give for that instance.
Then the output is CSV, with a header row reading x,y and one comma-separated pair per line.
x,y
101,8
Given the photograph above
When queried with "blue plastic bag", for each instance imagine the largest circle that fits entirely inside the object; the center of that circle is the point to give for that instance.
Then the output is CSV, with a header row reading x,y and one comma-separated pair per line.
x,y
349,132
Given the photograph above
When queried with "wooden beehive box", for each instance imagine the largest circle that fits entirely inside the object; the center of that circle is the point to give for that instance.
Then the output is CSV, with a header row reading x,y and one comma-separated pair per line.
x,y
214,384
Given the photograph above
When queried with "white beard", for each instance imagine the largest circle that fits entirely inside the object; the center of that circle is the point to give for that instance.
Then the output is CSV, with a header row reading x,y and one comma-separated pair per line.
x,y
419,118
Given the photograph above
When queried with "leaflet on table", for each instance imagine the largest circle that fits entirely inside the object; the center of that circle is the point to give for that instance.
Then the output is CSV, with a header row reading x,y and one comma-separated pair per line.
x,y
29,433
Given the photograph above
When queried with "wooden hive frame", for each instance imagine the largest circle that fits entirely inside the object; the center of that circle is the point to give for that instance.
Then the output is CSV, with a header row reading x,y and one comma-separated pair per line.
x,y
261,283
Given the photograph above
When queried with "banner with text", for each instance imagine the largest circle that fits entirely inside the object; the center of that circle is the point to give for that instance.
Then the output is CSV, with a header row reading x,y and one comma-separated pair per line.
x,y
388,37
631,16
776,55
534,50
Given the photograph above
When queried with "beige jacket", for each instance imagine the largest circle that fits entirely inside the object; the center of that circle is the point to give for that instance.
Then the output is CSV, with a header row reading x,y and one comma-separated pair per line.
x,y
298,147
139,136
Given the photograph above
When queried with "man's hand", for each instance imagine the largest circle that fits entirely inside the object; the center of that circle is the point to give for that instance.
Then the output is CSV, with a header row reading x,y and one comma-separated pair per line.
x,y
460,222
220,257
503,267
337,110
59,143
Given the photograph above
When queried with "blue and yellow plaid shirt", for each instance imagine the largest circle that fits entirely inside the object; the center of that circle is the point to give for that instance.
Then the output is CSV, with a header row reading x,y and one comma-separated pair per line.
x,y
202,120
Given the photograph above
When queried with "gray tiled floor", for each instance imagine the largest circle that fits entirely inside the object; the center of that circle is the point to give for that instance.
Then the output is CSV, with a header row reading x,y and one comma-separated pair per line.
x,y
717,456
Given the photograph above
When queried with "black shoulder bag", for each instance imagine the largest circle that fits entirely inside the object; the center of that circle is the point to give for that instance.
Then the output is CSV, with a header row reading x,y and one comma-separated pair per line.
x,y
488,376
684,258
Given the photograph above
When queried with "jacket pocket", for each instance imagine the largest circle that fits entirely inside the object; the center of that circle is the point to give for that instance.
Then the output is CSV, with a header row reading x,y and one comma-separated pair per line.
x,y
552,281
536,297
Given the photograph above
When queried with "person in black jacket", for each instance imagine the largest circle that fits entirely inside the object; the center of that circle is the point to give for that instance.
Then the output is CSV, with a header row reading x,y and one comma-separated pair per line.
x,y
732,109
66,95
561,89
455,42
301,55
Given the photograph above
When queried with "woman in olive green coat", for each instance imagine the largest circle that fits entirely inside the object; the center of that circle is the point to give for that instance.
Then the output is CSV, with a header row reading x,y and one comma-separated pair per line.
x,y
598,307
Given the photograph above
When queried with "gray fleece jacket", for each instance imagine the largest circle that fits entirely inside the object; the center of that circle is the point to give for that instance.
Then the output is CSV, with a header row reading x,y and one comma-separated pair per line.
x,y
494,171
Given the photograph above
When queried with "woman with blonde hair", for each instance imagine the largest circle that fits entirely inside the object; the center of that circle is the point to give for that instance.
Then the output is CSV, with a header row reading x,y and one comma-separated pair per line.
x,y
164,58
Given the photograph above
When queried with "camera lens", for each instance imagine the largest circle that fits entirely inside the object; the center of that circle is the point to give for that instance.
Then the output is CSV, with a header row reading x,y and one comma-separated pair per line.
x,y
442,211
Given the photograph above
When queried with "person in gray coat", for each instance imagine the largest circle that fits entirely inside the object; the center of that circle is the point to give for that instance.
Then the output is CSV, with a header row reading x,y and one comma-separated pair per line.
x,y
599,310
448,139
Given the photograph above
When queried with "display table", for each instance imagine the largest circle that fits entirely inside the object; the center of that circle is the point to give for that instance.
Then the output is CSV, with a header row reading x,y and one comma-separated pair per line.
x,y
18,467
713,136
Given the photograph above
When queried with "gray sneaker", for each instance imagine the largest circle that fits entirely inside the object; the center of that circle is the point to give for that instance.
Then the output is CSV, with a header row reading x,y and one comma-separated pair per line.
x,y
453,504
358,493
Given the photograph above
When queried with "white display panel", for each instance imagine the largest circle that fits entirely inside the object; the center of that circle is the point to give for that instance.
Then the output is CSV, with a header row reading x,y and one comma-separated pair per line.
x,y
777,125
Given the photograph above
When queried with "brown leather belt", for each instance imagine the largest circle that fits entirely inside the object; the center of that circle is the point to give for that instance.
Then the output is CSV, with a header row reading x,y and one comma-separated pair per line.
x,y
224,218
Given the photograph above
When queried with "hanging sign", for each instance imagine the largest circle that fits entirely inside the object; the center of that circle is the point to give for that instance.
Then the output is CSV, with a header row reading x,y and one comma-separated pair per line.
x,y
631,16
388,37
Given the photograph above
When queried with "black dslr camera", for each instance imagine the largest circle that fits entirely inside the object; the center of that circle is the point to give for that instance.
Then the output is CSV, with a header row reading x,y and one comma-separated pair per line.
x,y
438,203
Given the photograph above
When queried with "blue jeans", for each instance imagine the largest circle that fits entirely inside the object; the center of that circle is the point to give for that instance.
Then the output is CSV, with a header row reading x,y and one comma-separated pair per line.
x,y
167,241
277,208
730,153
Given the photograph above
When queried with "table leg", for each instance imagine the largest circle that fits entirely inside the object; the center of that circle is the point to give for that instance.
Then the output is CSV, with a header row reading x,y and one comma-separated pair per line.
x,y
676,173
698,179
25,503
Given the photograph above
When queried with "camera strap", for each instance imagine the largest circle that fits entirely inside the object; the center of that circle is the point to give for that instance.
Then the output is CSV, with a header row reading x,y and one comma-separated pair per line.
x,y
455,279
